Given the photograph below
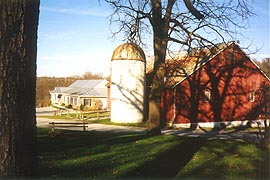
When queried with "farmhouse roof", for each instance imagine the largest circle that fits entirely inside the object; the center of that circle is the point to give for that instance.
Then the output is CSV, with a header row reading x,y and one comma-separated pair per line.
x,y
93,83
59,89
93,88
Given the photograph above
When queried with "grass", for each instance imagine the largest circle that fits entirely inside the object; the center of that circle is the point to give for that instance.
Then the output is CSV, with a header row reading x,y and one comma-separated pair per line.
x,y
108,122
72,116
227,159
95,155
62,117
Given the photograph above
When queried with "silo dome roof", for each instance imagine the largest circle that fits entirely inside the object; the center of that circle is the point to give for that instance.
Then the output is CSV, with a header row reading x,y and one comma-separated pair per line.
x,y
128,51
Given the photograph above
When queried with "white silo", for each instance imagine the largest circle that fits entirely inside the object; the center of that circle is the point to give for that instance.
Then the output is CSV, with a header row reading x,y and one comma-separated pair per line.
x,y
127,84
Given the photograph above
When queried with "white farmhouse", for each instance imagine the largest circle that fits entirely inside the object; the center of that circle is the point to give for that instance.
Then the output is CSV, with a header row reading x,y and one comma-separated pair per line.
x,y
89,93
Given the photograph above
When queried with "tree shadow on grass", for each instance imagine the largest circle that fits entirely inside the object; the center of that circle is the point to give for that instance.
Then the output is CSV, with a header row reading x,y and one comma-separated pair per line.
x,y
72,145
76,144
104,155
168,164
227,159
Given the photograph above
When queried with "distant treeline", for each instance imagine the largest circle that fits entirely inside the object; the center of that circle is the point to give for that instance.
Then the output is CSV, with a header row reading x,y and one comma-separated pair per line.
x,y
45,84
264,65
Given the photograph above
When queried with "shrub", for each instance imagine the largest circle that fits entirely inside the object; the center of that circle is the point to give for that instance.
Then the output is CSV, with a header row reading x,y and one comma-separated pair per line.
x,y
50,103
68,106
81,107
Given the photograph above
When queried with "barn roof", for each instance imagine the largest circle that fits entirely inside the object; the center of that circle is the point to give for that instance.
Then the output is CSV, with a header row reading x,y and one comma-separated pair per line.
x,y
182,66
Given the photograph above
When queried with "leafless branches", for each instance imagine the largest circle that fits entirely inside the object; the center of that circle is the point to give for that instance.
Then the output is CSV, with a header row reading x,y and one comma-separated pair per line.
x,y
191,23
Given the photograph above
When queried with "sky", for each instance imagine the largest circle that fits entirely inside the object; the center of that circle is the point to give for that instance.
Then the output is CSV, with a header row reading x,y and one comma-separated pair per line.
x,y
74,37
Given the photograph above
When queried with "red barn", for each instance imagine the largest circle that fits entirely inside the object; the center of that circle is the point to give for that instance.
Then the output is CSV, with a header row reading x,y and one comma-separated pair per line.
x,y
213,86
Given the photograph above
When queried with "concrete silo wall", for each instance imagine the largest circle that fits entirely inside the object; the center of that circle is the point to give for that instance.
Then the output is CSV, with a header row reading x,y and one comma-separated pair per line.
x,y
127,91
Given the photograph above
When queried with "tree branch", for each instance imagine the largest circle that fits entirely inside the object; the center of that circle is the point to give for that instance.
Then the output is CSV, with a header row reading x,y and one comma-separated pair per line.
x,y
193,10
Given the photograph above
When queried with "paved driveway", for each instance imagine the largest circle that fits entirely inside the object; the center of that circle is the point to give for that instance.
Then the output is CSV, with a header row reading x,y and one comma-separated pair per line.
x,y
242,135
48,111
45,111
43,122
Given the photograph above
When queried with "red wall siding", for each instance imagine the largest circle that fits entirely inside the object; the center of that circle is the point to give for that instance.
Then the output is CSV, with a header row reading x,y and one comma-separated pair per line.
x,y
230,80
167,104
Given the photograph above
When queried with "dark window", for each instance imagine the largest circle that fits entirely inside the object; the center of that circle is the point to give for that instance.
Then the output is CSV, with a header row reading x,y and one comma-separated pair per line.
x,y
207,95
87,102
252,96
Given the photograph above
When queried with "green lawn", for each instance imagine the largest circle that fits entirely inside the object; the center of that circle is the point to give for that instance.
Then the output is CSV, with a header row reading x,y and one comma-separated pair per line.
x,y
75,115
95,155
108,122
72,116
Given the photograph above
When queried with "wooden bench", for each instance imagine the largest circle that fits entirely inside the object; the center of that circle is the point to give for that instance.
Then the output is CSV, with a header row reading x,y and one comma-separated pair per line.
x,y
66,125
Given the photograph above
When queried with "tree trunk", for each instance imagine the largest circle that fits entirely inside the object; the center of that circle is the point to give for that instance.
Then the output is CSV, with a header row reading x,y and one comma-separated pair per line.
x,y
154,118
160,46
160,40
266,134
18,49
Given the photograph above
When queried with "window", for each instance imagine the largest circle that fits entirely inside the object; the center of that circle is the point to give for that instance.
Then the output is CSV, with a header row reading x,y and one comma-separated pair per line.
x,y
207,95
68,100
87,102
252,96
55,97
75,101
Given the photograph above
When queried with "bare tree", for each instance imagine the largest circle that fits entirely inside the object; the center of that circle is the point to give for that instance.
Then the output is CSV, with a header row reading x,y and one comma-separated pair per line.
x,y
90,75
175,25
18,50
264,65
264,128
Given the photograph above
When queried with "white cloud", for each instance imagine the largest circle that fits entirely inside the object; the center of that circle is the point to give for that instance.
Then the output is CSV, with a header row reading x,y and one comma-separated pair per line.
x,y
73,11
259,56
66,65
56,36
